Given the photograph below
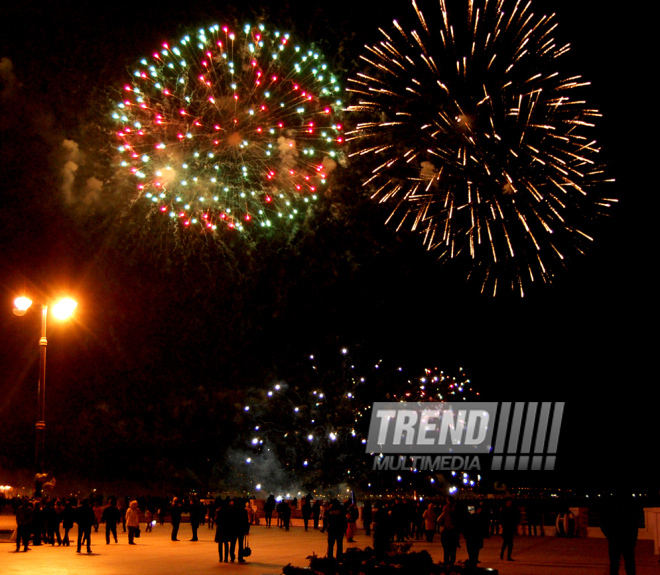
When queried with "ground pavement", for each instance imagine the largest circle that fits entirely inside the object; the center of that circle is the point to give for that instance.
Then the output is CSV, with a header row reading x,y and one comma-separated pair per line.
x,y
273,548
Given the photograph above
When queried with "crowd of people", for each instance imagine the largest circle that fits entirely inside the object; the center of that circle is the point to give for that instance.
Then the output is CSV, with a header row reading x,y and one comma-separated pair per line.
x,y
47,521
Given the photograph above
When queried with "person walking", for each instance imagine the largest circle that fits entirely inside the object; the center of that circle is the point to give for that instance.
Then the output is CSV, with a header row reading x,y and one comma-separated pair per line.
x,y
111,518
85,519
133,522
68,519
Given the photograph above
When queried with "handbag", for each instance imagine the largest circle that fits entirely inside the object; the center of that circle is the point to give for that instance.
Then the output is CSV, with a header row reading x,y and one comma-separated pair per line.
x,y
137,532
246,548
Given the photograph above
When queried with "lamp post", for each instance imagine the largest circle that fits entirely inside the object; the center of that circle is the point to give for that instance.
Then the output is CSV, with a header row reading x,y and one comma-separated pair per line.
x,y
63,309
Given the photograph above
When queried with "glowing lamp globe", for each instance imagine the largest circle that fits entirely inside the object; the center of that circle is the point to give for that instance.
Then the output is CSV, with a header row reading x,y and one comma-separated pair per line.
x,y
64,308
21,305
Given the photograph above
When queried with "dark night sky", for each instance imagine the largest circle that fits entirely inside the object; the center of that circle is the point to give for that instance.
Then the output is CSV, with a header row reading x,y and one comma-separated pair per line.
x,y
582,340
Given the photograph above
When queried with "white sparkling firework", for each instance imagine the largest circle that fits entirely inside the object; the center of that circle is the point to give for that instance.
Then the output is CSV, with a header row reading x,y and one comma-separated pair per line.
x,y
479,141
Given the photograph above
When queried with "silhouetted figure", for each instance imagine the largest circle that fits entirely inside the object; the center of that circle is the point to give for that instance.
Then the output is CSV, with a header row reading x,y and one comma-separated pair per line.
x,y
85,519
111,518
68,519
367,517
222,531
474,525
449,534
269,507
306,512
619,525
175,517
336,521
509,520
23,524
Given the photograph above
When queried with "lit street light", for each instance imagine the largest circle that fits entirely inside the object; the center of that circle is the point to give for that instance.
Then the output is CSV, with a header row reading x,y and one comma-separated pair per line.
x,y
63,309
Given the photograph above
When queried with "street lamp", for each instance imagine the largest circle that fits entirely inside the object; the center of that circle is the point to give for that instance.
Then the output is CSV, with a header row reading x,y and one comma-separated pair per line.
x,y
63,309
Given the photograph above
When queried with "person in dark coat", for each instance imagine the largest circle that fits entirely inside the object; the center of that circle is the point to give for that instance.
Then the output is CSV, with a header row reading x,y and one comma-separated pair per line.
x,y
509,520
336,518
196,516
238,527
68,519
474,526
85,519
382,531
284,513
222,531
38,523
306,512
175,515
53,518
620,525
316,513
111,518
269,507
23,524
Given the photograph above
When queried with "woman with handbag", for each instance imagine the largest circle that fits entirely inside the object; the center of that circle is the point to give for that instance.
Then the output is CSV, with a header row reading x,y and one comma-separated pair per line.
x,y
133,522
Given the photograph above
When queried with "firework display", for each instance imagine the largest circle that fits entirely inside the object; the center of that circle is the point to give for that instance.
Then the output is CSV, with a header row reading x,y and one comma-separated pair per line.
x,y
318,428
478,140
230,128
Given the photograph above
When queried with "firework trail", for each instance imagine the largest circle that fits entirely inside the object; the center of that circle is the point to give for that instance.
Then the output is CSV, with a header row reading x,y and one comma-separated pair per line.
x,y
317,426
478,141
230,129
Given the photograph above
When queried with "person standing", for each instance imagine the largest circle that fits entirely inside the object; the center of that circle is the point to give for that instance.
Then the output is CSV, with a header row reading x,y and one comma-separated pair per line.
x,y
222,531
509,520
367,517
269,508
316,513
430,518
620,526
196,516
53,518
336,525
111,519
175,517
449,535
132,521
284,514
23,524
85,519
306,512
474,527
352,515
238,527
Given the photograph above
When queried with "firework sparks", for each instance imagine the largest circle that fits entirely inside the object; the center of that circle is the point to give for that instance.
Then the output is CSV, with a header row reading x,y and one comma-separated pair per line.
x,y
230,128
478,141
318,427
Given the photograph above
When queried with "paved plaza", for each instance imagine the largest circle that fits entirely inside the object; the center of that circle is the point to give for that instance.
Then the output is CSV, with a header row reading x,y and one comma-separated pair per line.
x,y
273,548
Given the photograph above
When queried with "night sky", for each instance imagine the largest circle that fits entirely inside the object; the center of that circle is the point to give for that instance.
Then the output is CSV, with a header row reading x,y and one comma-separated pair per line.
x,y
161,318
